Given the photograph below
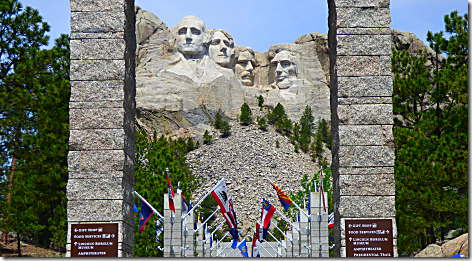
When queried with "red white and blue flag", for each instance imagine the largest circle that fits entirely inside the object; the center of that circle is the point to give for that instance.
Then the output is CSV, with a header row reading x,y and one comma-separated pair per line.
x,y
331,220
220,194
267,212
285,200
171,195
185,206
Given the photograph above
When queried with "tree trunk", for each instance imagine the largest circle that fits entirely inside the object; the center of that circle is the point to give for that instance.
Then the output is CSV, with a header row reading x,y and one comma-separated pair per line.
x,y
13,165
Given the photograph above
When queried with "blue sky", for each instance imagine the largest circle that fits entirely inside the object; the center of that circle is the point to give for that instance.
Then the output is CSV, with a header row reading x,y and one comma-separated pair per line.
x,y
259,24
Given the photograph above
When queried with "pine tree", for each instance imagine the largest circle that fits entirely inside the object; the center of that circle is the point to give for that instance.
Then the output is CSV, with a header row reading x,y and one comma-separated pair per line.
x,y
218,120
260,101
262,123
34,125
279,119
246,113
306,125
153,156
225,128
207,137
431,133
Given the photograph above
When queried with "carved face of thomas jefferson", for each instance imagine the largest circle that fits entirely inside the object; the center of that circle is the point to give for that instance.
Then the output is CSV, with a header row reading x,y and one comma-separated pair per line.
x,y
192,37
221,48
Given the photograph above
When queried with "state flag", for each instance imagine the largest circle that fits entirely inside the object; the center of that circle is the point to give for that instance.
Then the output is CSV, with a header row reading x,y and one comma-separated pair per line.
x,y
146,213
243,248
171,194
255,245
267,212
285,200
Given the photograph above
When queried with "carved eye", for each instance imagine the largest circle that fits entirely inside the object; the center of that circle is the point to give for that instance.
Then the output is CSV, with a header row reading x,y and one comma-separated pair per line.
x,y
215,42
182,31
285,64
226,43
195,31
243,63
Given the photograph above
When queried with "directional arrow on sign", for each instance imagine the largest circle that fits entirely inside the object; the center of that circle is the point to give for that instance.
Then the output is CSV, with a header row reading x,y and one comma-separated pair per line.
x,y
350,239
75,243
112,235
75,230
350,225
388,231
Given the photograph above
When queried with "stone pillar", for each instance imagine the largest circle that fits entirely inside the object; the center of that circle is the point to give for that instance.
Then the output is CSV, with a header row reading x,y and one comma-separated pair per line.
x,y
319,234
188,236
361,112
296,240
101,109
304,235
173,227
289,244
199,241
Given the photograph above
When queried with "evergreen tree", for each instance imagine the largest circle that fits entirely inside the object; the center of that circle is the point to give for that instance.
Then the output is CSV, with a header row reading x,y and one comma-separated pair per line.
x,y
190,144
279,119
431,133
225,128
207,137
260,101
262,123
153,156
34,126
306,125
246,113
218,120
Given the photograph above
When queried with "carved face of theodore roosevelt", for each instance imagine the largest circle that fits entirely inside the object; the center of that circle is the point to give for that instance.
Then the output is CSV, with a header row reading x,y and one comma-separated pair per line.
x,y
192,37
245,67
221,48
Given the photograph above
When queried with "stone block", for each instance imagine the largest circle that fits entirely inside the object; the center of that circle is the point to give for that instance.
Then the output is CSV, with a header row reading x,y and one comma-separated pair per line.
x,y
362,3
365,86
364,100
364,170
97,70
363,31
106,49
97,139
358,65
362,114
364,44
360,135
367,206
385,65
96,6
366,156
96,210
363,17
372,185
81,189
97,91
96,161
95,105
98,35
103,118
97,22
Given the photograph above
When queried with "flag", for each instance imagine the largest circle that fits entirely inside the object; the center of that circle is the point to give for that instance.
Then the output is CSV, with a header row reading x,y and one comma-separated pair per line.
x,y
331,220
267,213
135,208
321,184
316,187
243,248
185,205
159,222
146,213
309,203
220,194
285,200
256,244
171,194
259,231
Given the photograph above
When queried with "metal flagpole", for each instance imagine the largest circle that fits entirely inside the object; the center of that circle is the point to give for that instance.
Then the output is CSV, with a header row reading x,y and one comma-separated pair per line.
x,y
293,202
153,209
320,217
206,195
204,222
264,247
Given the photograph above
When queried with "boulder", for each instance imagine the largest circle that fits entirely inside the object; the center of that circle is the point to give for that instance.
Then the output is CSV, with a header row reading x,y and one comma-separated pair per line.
x,y
432,250
456,246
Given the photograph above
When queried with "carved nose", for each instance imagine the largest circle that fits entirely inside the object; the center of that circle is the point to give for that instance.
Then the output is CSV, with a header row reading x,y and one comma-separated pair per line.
x,y
223,49
188,35
249,67
278,68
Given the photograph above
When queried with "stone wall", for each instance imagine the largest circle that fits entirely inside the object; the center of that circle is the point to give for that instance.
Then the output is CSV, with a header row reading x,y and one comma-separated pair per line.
x,y
102,109
361,113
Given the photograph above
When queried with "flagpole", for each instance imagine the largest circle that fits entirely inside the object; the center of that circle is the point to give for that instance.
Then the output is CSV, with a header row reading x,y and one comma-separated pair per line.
x,y
153,209
206,195
293,202
198,228
264,247
319,216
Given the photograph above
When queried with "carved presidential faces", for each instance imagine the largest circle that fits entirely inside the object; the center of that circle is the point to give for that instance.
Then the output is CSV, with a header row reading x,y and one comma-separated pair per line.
x,y
285,69
221,48
192,37
245,66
